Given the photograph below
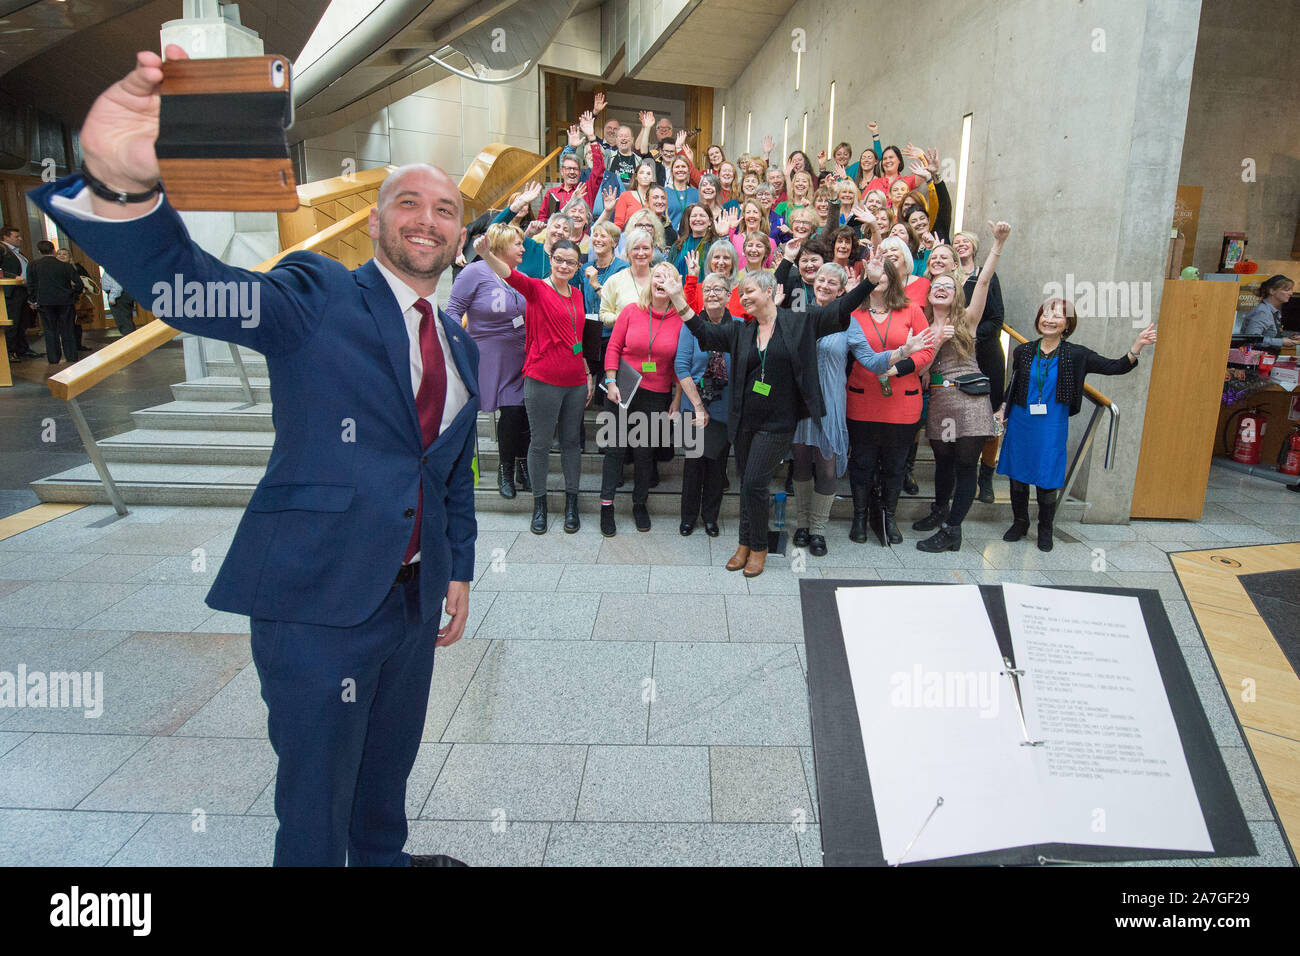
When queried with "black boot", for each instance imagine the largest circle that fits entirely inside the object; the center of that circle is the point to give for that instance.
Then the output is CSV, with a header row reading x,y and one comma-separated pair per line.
x,y
909,483
858,530
891,528
539,514
945,539
984,490
521,475
1019,511
505,480
800,537
936,517
608,527
1047,501
571,522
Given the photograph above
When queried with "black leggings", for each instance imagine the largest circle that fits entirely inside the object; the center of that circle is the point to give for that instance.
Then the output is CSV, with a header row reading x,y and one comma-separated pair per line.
x,y
956,473
880,448
810,465
650,407
513,435
757,455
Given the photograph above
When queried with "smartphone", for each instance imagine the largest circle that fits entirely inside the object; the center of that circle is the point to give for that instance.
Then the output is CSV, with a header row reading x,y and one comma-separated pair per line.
x,y
222,134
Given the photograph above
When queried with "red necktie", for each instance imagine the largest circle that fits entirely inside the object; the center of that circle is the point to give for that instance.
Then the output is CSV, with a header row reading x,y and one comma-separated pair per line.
x,y
429,400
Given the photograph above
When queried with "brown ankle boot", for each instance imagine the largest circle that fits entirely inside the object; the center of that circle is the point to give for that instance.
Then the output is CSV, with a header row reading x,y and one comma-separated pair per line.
x,y
754,566
739,559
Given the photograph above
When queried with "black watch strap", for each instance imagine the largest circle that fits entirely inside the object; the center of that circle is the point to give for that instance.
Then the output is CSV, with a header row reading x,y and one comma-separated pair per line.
x,y
105,191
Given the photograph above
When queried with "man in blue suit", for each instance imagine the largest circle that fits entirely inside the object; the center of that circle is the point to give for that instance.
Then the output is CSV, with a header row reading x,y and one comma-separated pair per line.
x,y
364,520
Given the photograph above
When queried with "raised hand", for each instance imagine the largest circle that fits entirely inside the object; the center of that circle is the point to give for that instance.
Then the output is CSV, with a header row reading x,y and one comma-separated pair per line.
x,y
647,118
1000,231
875,269
769,144
859,211
733,220
917,342
929,240
598,104
792,248
481,246
117,138
531,192
720,222
913,152
1148,337
821,158
591,274
874,129
668,279
932,160
841,171
610,195
587,123
534,227
693,263
575,137
778,295
681,139
920,170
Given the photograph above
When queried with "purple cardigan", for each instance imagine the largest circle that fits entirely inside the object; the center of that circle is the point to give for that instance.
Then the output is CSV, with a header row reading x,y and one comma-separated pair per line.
x,y
495,323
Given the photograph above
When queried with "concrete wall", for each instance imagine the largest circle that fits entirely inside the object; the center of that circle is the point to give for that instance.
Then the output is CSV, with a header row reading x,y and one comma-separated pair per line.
x,y
1243,99
448,122
1078,114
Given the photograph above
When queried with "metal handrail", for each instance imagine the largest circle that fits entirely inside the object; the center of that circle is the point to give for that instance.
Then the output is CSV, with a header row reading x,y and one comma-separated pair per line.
x,y
1101,402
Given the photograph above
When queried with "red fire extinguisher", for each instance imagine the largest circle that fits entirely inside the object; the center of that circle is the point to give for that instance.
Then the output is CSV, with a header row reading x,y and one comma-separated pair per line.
x,y
1288,459
1250,430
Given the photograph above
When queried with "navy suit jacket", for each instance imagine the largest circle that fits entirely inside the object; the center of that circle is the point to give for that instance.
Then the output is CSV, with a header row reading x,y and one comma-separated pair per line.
x,y
328,525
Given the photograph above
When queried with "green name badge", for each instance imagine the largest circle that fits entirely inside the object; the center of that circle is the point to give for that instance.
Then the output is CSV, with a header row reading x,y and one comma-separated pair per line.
x,y
577,348
649,367
763,388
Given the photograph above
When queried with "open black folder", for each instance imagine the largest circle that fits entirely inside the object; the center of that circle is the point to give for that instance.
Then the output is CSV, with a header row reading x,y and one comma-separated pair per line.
x,y
846,811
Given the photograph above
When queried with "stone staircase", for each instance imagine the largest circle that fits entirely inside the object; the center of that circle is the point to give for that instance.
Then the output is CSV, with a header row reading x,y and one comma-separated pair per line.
x,y
209,447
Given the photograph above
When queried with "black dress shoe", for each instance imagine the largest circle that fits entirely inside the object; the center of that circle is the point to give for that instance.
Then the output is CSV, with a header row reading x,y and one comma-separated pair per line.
x,y
436,859
712,529
800,537
892,533
1295,487
686,528
909,484
641,515
817,546
571,520
539,515
607,525
934,519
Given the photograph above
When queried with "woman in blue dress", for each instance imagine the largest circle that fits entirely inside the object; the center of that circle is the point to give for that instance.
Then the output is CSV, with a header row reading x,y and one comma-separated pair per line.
x,y
821,446
1045,389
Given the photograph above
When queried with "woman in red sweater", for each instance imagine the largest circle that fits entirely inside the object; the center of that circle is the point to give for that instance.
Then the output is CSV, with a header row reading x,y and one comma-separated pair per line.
x,y
557,385
645,336
883,411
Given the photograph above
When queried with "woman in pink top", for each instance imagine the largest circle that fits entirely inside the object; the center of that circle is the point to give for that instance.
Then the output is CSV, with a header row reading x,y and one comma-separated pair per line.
x,y
645,337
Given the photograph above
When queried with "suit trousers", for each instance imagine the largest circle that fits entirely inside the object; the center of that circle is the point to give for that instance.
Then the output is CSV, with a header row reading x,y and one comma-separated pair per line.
x,y
20,316
346,708
60,323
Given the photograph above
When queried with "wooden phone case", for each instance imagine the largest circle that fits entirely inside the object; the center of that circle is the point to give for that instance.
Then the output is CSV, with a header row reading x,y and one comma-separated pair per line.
x,y
241,183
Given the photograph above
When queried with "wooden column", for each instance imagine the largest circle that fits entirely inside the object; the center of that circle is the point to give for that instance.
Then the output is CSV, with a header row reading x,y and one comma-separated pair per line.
x,y
699,115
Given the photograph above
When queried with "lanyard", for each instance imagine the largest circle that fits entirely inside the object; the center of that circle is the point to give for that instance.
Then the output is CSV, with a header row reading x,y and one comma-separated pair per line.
x,y
762,353
885,337
650,332
1041,363
574,305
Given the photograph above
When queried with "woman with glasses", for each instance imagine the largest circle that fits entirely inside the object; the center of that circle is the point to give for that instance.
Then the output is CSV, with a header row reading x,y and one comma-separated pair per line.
x,y
557,385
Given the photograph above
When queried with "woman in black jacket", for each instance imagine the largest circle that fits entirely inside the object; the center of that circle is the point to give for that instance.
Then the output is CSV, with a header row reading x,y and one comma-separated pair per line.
x,y
775,384
1046,388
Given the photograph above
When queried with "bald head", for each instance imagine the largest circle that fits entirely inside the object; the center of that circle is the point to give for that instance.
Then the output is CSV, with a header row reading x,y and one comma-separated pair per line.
x,y
399,174
416,224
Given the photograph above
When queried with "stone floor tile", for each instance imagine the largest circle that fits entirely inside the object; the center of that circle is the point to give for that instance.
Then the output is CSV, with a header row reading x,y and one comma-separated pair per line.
x,y
764,618
155,607
516,576
695,579
507,782
62,604
660,617
182,774
481,843
759,785
640,783
56,771
629,547
64,837
671,844
527,616
212,839
453,667
236,710
605,578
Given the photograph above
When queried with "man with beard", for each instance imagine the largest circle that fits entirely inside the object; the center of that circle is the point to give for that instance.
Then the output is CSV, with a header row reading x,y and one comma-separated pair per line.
x,y
364,520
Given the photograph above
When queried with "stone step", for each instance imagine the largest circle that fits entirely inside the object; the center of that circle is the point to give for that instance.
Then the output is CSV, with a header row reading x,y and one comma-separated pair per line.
x,y
207,415
222,388
189,446
222,484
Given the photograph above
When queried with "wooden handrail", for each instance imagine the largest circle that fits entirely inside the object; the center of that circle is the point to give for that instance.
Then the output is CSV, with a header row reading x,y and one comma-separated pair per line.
x,y
523,180
338,187
1088,390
